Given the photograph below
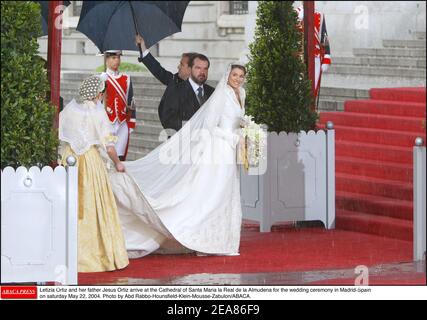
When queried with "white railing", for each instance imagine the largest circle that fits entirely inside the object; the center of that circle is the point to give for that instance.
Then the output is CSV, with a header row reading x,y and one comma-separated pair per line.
x,y
39,224
299,183
419,200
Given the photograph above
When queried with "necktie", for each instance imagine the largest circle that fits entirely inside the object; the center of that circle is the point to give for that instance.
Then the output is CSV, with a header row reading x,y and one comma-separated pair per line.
x,y
200,95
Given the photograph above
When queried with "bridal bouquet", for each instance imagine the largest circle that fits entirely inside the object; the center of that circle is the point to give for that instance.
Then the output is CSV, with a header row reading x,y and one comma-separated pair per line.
x,y
255,138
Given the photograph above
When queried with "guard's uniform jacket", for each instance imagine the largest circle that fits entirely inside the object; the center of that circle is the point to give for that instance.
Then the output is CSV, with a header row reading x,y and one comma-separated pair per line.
x,y
120,108
322,50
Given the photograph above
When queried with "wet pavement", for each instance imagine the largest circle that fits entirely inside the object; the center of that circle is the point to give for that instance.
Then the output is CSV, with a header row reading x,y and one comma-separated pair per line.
x,y
412,273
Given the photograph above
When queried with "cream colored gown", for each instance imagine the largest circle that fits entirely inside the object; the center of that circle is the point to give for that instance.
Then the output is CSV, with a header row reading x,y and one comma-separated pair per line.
x,y
85,133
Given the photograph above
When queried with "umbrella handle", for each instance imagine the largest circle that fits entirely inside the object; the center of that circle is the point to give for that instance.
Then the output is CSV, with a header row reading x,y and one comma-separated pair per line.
x,y
140,53
136,30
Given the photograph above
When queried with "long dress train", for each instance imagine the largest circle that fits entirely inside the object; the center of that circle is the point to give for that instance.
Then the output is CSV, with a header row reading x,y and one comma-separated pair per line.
x,y
185,194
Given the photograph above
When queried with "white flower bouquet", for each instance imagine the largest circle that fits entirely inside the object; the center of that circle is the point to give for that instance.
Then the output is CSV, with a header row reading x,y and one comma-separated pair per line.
x,y
255,139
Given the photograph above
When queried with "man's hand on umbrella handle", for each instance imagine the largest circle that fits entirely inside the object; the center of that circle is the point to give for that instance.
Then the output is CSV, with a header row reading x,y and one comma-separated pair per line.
x,y
140,41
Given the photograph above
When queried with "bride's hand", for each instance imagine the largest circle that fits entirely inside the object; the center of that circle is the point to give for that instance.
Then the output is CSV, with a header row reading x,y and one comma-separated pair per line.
x,y
120,167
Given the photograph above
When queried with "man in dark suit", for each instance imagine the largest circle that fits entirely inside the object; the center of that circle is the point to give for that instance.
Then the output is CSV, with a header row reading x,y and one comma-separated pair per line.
x,y
184,99
164,76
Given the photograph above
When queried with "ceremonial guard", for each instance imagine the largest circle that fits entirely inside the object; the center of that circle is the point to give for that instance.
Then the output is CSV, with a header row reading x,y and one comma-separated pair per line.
x,y
322,51
119,101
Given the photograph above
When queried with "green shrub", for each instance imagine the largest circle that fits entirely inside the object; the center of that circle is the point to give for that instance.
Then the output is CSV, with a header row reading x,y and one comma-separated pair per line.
x,y
279,93
126,67
27,134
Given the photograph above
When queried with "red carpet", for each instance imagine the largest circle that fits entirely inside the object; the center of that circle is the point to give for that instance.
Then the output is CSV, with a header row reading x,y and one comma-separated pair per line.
x,y
374,141
416,279
283,250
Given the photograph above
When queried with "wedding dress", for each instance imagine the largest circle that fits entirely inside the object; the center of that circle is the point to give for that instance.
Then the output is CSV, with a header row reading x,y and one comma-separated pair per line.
x,y
185,195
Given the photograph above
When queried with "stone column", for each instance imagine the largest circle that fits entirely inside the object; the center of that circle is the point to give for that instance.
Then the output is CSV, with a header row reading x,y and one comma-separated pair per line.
x,y
249,29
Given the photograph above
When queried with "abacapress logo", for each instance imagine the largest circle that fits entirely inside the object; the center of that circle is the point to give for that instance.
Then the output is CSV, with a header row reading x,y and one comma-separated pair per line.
x,y
19,292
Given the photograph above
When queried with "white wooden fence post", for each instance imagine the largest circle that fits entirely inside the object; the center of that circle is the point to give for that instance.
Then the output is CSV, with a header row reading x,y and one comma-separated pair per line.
x,y
72,208
330,178
419,232
265,190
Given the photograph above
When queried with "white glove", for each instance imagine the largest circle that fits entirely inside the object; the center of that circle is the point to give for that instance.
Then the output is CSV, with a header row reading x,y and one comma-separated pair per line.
x,y
236,139
325,67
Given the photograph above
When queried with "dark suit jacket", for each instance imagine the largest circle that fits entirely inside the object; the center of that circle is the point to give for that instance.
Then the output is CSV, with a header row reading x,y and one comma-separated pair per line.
x,y
161,74
181,104
165,77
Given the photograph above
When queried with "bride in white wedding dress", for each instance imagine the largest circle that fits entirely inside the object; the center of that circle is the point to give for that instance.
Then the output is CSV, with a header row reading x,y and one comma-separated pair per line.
x,y
185,195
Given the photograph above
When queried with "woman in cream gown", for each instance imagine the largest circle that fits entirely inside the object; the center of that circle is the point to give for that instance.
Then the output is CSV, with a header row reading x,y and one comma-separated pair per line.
x,y
85,132
185,195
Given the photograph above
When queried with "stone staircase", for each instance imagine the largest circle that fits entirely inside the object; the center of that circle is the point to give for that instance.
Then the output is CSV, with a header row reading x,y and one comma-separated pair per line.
x,y
146,137
399,63
374,160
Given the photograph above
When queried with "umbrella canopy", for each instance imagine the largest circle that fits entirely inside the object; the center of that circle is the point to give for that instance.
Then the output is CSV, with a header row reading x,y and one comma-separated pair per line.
x,y
112,25
44,5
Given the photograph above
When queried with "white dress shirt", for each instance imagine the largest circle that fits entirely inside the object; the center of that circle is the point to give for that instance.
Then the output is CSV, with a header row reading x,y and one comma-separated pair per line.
x,y
196,86
145,52
112,72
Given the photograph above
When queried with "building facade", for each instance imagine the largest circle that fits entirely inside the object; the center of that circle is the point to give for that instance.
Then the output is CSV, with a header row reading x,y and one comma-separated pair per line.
x,y
222,30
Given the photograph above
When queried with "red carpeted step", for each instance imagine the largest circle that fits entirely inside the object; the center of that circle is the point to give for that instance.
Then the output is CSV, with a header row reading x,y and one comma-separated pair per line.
x,y
375,169
359,120
399,94
374,186
381,206
379,136
374,155
384,107
373,151
382,226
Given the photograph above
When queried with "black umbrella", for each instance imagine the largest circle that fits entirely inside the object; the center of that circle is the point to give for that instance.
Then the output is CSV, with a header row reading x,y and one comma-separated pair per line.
x,y
44,5
112,25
